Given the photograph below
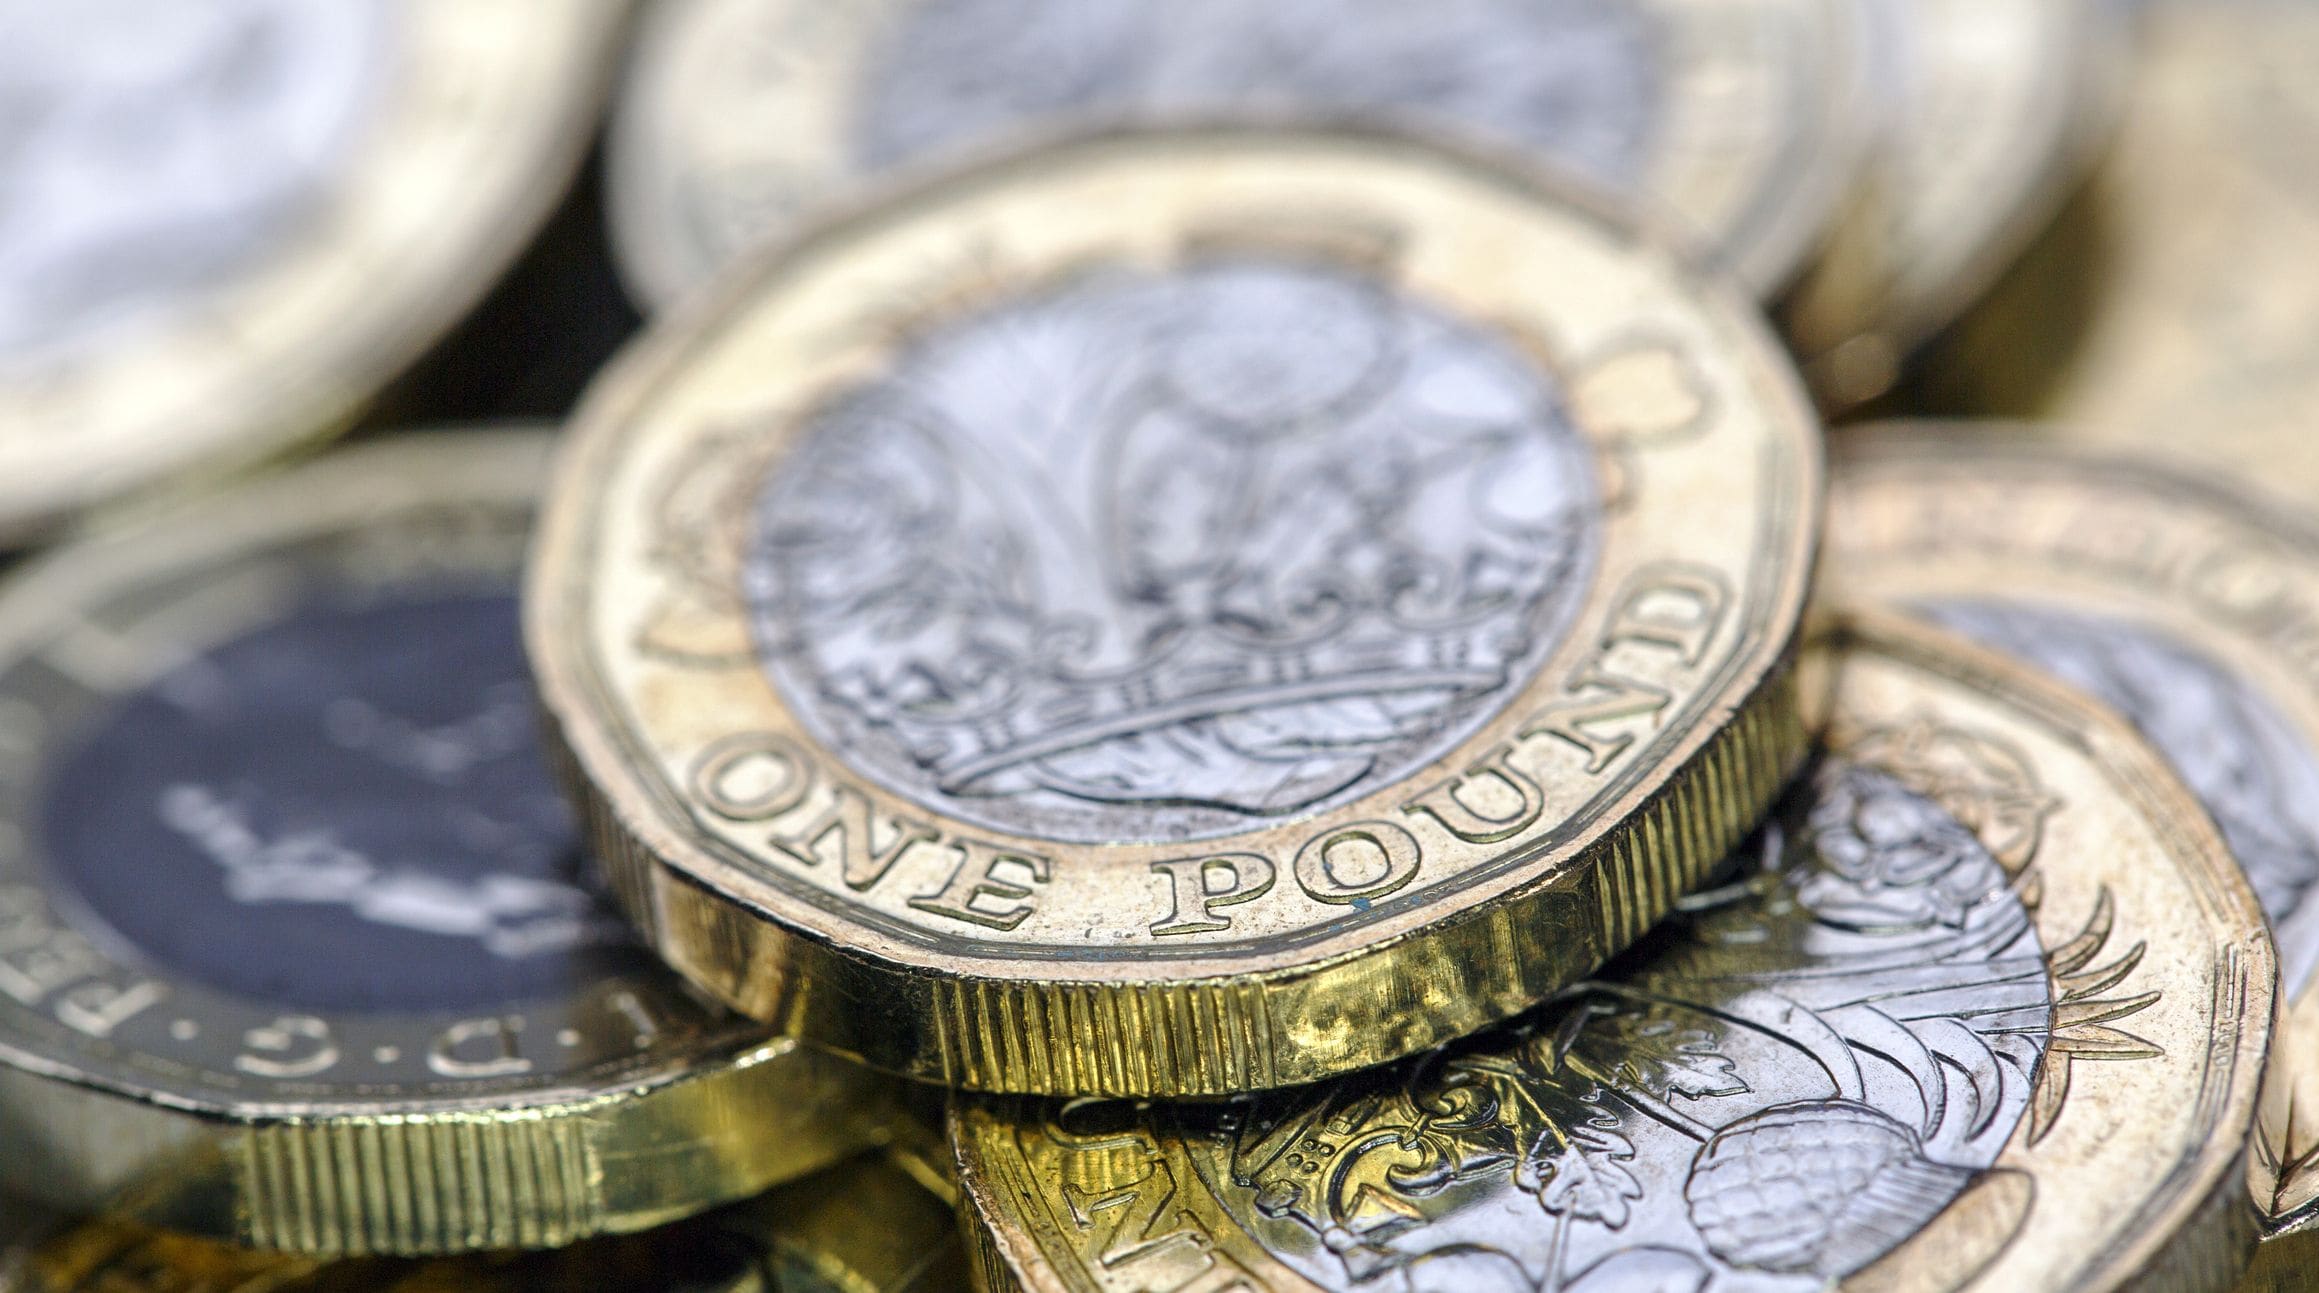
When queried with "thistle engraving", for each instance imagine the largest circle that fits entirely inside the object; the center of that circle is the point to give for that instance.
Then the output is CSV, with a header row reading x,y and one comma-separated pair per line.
x,y
1811,1065
1575,80
2258,779
1163,556
148,147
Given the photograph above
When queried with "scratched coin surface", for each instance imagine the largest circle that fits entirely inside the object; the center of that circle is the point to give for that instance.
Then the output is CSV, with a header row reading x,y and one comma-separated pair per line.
x,y
2186,606
1181,612
1985,1004
298,943
741,117
1986,112
2173,314
861,1227
223,226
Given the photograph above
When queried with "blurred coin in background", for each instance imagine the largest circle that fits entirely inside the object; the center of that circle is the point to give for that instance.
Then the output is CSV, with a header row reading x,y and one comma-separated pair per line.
x,y
297,944
1181,612
2176,310
2190,609
739,117
1985,1003
224,226
1987,112
861,1227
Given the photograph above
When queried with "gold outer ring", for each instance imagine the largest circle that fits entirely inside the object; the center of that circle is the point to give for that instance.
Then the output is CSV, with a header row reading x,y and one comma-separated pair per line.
x,y
863,1226
495,104
622,1105
1933,515
1648,743
2128,1167
734,124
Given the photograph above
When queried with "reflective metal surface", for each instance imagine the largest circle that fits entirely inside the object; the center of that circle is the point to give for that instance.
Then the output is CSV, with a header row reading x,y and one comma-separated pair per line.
x,y
298,945
1402,531
1965,1014
741,118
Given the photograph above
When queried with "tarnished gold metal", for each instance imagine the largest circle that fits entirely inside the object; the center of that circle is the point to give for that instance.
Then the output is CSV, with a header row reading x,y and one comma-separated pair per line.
x,y
2185,604
1986,1006
741,117
226,244
1180,613
134,1079
1987,112
861,1227
2174,312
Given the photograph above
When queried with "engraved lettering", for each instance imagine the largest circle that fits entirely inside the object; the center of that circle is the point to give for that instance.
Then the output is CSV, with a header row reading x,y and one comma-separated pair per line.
x,y
753,777
57,959
1596,724
98,1008
1125,1228
293,1046
1202,884
1357,864
479,1048
979,894
1491,802
862,859
1669,607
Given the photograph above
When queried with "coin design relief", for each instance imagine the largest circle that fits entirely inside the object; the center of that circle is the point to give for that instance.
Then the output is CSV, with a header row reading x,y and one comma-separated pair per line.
x,y
740,118
1989,112
289,900
861,1227
1181,612
225,226
1984,1005
2189,259
2182,604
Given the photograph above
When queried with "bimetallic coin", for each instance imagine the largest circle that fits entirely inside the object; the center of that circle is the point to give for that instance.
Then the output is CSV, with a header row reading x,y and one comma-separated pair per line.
x,y
1985,1004
1180,613
861,1227
2184,605
1988,111
296,948
225,225
740,116
2189,262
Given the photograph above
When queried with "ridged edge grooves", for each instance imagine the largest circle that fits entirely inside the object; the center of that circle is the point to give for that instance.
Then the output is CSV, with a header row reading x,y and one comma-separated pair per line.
x,y
1701,815
1210,1039
394,1186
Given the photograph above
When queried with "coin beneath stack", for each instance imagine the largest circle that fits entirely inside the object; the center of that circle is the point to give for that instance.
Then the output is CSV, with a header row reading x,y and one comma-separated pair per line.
x,y
1180,612
2189,260
861,1227
224,226
2188,607
295,945
739,116
1988,111
1985,1003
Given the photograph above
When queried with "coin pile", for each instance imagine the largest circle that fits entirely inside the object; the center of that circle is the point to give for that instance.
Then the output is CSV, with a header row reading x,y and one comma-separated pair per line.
x,y
1547,646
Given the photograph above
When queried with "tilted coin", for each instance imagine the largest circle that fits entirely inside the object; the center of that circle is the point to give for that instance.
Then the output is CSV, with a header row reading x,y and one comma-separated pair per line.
x,y
740,115
295,944
1180,613
225,225
861,1227
2186,606
1987,112
1985,1006
2185,276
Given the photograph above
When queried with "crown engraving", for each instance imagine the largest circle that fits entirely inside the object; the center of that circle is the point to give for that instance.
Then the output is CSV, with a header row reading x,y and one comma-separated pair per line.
x,y
1155,556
